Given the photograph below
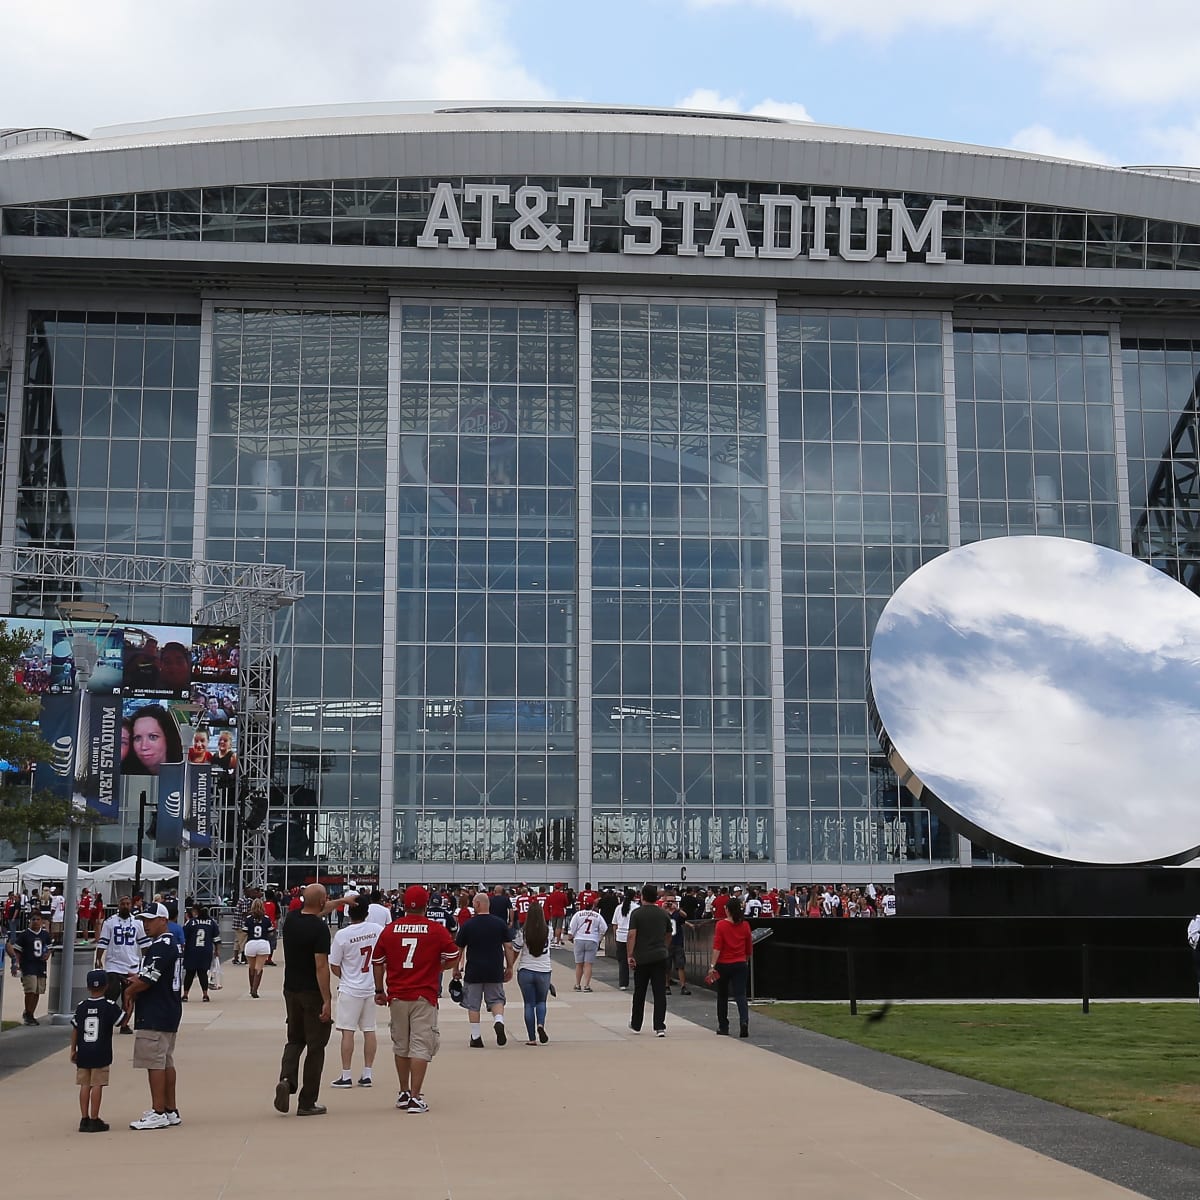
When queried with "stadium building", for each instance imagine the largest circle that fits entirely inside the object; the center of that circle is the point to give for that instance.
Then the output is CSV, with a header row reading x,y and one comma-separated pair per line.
x,y
602,436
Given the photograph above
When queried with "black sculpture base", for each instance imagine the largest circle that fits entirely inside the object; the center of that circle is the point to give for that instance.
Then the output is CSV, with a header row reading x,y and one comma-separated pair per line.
x,y
1059,891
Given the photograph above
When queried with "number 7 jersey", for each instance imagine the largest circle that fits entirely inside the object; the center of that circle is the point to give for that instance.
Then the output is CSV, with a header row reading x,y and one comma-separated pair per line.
x,y
352,948
415,951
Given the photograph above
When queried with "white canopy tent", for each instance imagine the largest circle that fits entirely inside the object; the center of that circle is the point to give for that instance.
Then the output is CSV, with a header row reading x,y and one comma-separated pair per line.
x,y
8,876
46,869
125,871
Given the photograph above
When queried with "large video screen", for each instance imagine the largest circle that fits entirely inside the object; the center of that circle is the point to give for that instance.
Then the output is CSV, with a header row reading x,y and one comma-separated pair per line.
x,y
160,715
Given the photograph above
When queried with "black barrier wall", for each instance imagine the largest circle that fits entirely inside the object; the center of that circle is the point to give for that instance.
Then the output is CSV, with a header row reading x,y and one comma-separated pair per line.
x,y
965,958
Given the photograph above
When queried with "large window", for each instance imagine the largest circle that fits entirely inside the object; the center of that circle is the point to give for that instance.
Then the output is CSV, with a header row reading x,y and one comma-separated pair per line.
x,y
108,442
1162,428
298,452
863,504
485,624
1036,442
681,679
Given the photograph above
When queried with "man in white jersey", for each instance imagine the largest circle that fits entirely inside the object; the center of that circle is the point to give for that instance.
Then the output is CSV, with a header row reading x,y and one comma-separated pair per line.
x,y
350,961
119,951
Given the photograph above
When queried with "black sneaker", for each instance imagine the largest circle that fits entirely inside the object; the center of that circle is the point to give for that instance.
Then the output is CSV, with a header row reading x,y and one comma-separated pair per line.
x,y
501,1036
744,1031
342,1081
30,1019
402,1100
99,1126
477,1043
283,1096
85,1124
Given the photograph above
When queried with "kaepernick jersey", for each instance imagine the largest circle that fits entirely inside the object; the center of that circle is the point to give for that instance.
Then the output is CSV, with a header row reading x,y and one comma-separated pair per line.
x,y
521,904
414,951
586,899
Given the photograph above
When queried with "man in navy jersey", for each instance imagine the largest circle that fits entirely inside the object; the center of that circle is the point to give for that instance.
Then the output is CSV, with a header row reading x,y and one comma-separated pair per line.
x,y
31,950
153,996
92,1049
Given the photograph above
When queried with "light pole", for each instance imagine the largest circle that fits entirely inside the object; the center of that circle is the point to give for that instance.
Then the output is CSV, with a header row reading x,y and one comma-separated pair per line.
x,y
85,652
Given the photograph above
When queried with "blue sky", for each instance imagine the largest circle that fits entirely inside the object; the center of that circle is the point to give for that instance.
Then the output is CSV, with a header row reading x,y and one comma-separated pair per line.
x,y
1103,80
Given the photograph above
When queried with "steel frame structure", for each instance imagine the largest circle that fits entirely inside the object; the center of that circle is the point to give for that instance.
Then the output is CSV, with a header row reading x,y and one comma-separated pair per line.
x,y
219,593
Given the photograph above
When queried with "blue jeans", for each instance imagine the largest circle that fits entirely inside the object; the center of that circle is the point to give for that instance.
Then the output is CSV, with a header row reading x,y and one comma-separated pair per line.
x,y
535,987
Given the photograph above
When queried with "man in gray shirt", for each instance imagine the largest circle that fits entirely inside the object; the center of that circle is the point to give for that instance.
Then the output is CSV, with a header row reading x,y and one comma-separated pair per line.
x,y
649,947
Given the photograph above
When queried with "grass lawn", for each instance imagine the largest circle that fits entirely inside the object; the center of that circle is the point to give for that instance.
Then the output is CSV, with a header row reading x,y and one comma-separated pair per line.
x,y
1134,1063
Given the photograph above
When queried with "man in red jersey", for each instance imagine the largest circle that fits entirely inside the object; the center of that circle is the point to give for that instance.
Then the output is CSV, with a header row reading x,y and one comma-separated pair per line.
x,y
521,904
410,956
720,903
556,910
586,897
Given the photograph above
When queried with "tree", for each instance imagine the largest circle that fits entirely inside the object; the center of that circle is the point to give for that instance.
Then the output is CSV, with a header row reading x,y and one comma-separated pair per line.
x,y
20,743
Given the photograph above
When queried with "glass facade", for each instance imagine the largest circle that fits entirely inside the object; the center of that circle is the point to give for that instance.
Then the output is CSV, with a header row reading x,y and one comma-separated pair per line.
x,y
392,211
1162,425
863,503
1036,437
485,766
681,694
108,443
297,452
590,596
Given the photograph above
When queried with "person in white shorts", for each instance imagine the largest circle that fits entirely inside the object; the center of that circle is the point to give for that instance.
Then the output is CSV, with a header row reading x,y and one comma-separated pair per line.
x,y
584,933
350,961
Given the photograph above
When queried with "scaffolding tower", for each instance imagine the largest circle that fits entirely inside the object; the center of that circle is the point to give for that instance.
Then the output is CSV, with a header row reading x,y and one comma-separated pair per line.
x,y
247,595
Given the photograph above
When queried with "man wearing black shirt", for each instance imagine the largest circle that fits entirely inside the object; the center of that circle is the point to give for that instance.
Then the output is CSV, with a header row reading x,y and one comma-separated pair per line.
x,y
501,905
153,997
490,957
30,951
306,997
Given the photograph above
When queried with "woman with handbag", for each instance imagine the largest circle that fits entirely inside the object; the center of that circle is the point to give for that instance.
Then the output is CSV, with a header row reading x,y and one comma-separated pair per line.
x,y
732,947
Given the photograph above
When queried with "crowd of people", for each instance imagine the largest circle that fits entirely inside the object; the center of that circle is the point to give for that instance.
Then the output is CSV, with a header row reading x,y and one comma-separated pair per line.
x,y
386,950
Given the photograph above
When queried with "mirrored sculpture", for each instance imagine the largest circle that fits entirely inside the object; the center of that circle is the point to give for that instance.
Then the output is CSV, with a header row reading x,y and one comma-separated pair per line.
x,y
1043,696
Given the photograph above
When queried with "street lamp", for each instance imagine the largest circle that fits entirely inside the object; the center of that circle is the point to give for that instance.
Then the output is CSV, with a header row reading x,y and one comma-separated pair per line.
x,y
85,653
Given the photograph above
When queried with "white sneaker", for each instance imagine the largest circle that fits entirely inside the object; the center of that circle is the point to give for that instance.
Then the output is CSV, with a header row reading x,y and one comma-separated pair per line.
x,y
151,1120
173,1117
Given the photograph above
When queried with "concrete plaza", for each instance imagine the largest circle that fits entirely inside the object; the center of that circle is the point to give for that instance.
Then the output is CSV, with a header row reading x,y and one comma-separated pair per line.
x,y
598,1113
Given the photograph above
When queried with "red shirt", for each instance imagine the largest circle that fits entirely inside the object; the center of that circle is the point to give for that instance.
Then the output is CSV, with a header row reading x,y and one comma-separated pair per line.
x,y
415,949
558,904
543,898
720,904
464,915
732,943
521,904
586,899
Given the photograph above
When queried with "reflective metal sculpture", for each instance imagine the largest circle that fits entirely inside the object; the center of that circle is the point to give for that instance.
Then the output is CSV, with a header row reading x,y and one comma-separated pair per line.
x,y
1043,695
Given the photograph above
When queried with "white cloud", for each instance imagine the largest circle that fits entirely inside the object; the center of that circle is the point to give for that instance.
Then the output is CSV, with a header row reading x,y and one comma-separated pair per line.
x,y
710,100
81,65
1038,139
1097,48
1175,145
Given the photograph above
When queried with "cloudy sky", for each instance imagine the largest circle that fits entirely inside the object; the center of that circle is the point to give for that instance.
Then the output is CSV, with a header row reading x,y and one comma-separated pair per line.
x,y
1103,80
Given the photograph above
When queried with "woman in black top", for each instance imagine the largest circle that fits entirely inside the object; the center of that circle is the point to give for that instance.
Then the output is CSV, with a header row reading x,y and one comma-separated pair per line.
x,y
258,944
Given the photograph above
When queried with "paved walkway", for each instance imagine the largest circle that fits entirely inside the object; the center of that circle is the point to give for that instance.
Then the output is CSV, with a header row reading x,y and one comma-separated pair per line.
x,y
597,1113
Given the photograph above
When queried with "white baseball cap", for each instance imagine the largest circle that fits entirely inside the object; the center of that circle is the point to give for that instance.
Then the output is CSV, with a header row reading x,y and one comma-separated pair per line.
x,y
153,912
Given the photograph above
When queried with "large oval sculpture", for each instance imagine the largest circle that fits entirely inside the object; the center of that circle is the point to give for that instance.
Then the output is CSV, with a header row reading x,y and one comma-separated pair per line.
x,y
1043,696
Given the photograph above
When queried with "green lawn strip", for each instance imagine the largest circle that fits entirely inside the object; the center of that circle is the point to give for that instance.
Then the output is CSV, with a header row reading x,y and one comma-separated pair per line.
x,y
1138,1064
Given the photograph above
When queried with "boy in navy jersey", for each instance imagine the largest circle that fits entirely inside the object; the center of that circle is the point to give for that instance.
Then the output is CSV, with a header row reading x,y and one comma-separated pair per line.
x,y
92,1049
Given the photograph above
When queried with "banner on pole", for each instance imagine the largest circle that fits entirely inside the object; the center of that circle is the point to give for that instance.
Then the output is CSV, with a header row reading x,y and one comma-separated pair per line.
x,y
197,813
169,829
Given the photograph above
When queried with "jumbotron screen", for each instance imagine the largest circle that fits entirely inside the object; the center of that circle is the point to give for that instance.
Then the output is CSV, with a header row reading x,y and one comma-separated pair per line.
x,y
162,703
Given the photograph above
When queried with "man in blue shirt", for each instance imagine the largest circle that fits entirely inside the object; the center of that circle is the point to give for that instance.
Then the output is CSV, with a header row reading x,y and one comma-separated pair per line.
x,y
153,997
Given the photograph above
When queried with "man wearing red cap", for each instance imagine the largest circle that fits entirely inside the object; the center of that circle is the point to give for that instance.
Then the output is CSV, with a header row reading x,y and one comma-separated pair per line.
x,y
410,956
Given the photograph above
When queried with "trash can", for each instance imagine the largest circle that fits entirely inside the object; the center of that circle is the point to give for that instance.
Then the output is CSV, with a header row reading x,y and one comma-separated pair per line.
x,y
85,956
